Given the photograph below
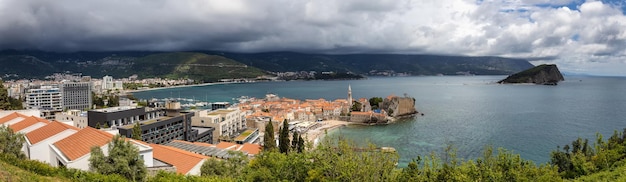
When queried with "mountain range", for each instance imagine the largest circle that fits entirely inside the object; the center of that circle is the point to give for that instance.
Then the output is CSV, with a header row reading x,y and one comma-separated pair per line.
x,y
209,66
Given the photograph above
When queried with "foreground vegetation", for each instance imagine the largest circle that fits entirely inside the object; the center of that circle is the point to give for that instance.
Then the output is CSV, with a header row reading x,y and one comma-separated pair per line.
x,y
6,102
343,161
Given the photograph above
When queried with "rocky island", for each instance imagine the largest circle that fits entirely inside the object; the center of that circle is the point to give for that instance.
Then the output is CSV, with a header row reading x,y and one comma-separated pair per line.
x,y
545,74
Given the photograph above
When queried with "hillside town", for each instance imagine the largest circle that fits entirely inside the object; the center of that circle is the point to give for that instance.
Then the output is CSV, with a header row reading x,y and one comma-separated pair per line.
x,y
61,122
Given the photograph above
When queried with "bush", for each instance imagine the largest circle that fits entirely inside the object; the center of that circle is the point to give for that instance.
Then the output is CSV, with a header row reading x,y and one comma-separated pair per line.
x,y
44,169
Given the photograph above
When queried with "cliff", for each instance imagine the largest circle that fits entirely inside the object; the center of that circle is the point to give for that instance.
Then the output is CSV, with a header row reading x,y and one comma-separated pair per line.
x,y
399,106
545,74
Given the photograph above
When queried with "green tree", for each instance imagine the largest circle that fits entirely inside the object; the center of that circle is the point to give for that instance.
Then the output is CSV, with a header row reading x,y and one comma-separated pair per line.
x,y
6,102
374,102
11,143
356,106
583,159
346,161
231,167
294,141
123,159
276,166
269,142
283,138
113,100
97,100
213,167
300,144
137,132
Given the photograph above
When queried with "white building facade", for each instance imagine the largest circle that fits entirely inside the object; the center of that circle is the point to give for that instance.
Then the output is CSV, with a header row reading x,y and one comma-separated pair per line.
x,y
45,98
227,122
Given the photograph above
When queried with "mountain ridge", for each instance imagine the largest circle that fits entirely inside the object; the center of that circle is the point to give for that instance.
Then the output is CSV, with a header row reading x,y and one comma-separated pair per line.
x,y
124,63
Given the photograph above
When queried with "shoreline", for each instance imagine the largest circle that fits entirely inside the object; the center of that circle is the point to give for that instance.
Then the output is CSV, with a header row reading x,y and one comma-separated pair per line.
x,y
183,86
314,136
223,83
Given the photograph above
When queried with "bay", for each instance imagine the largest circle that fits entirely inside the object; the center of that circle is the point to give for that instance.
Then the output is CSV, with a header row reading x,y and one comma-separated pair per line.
x,y
468,113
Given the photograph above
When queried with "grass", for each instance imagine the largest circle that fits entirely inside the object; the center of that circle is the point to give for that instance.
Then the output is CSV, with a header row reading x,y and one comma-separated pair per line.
x,y
9,172
244,135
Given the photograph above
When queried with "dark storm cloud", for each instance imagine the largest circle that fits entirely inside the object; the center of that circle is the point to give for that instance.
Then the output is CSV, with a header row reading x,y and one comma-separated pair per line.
x,y
179,25
534,29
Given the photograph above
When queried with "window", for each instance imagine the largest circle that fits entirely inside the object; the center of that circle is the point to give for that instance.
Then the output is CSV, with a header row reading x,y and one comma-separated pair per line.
x,y
60,164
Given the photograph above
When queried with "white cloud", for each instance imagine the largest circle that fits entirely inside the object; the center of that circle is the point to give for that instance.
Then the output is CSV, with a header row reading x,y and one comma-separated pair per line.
x,y
545,30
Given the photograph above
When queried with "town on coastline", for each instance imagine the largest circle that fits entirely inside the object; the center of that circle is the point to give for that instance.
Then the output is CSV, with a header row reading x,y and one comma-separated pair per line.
x,y
63,119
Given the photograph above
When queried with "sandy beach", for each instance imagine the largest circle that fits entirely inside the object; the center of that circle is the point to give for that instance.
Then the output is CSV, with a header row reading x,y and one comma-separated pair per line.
x,y
315,135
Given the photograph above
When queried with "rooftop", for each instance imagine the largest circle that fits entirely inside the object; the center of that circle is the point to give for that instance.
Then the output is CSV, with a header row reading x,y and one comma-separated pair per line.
x,y
146,122
183,160
27,122
200,149
250,148
115,109
246,148
12,116
245,134
219,112
48,131
80,143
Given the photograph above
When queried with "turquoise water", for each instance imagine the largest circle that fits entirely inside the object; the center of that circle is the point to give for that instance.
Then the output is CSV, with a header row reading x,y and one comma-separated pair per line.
x,y
467,112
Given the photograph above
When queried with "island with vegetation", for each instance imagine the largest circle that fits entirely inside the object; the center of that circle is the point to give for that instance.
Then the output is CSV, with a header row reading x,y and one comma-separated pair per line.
x,y
545,74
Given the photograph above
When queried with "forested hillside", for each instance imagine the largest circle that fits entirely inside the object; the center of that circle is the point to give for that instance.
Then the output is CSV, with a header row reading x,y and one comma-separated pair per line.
x,y
207,66
174,65
366,63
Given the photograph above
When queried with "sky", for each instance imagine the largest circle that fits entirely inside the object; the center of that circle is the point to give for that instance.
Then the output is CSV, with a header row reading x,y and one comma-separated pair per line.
x,y
580,36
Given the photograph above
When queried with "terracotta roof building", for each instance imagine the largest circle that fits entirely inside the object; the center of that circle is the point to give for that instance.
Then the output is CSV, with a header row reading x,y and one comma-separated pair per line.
x,y
74,150
29,124
247,148
186,162
12,118
37,141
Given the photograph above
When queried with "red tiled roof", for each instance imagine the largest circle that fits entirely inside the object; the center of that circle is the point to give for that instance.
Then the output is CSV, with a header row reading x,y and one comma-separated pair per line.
x,y
227,145
48,131
11,117
246,147
184,161
253,149
27,122
80,143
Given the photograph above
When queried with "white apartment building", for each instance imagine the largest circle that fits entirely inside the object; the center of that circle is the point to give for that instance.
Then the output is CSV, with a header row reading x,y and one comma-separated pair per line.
x,y
227,122
76,118
45,97
109,84
74,150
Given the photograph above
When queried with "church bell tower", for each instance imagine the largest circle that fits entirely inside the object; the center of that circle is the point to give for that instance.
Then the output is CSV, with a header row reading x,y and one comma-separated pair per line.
x,y
349,96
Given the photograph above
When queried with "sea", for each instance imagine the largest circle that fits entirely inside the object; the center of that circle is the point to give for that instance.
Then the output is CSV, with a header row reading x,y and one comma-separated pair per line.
x,y
468,113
